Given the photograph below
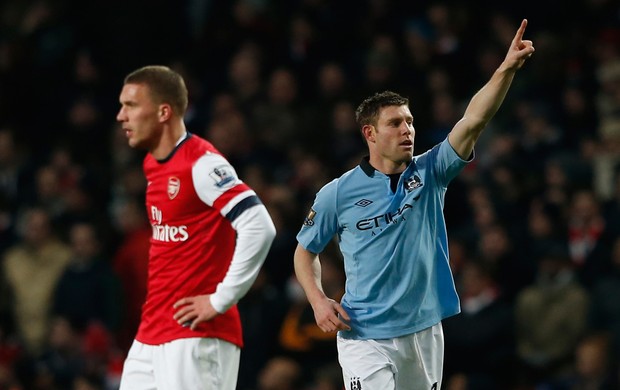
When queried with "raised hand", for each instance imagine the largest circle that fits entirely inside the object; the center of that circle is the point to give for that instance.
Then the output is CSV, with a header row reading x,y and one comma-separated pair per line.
x,y
520,50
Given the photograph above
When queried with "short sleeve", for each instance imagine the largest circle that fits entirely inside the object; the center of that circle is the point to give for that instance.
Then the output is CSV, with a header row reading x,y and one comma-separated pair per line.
x,y
447,163
217,184
321,223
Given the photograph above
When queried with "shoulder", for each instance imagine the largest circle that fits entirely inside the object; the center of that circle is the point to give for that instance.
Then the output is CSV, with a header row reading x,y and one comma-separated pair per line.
x,y
352,176
204,156
215,166
430,153
198,146
329,189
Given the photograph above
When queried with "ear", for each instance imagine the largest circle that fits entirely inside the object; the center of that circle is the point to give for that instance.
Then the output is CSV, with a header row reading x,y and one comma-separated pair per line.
x,y
164,112
369,131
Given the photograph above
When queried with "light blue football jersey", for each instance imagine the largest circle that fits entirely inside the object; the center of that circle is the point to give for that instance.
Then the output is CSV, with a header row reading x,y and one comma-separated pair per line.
x,y
395,245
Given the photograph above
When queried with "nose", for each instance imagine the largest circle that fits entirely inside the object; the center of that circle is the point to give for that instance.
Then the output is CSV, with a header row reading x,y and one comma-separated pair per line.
x,y
121,115
408,129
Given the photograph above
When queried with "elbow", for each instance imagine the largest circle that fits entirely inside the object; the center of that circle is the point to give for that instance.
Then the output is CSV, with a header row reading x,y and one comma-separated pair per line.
x,y
269,228
270,232
264,227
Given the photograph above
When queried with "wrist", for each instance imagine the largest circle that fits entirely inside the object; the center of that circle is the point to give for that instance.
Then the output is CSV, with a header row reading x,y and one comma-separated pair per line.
x,y
505,68
316,296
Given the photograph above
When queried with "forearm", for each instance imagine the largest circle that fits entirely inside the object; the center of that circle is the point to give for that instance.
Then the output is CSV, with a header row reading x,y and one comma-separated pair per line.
x,y
480,110
308,273
485,103
255,233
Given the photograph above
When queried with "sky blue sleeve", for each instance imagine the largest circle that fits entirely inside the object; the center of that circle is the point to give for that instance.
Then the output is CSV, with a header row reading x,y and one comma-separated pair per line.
x,y
448,164
321,223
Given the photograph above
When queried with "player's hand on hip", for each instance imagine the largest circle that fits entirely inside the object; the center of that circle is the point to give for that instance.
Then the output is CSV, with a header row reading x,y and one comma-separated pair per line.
x,y
191,311
329,316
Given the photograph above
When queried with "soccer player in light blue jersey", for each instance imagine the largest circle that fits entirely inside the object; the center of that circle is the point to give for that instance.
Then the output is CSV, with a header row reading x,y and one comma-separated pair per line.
x,y
387,214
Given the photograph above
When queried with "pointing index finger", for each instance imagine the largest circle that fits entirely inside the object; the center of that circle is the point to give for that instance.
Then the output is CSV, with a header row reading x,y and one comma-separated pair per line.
x,y
520,31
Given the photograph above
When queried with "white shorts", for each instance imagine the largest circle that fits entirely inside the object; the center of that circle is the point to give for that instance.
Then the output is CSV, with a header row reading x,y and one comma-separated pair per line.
x,y
184,364
412,362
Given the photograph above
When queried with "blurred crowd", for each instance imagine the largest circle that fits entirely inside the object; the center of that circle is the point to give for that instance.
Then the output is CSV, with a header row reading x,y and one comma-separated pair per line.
x,y
533,221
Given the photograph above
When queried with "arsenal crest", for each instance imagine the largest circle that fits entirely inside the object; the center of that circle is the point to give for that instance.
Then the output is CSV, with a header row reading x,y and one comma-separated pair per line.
x,y
174,185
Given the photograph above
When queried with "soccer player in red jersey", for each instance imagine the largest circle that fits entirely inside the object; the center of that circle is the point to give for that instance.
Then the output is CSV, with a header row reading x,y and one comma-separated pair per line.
x,y
211,234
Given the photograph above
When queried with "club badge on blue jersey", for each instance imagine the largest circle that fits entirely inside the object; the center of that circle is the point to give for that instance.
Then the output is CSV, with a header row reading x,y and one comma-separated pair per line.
x,y
413,182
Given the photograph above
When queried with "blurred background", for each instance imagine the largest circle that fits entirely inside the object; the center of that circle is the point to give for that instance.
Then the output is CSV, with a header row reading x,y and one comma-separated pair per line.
x,y
534,220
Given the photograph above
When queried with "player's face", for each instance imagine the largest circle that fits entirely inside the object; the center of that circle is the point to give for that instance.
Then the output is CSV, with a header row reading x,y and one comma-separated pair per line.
x,y
139,116
394,134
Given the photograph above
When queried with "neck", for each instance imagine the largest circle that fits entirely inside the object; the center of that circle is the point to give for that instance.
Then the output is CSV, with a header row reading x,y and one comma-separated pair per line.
x,y
387,167
170,137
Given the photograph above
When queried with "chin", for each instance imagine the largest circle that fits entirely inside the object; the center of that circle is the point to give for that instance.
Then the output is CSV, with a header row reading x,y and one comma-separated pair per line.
x,y
135,144
131,142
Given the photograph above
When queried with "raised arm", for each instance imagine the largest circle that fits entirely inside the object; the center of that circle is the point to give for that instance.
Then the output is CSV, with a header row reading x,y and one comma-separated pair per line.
x,y
485,103
326,310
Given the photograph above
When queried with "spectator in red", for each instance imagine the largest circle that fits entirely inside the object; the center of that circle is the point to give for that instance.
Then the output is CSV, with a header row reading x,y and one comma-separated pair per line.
x,y
130,263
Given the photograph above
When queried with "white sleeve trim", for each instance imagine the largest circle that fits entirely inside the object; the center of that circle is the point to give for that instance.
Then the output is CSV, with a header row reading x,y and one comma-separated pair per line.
x,y
255,233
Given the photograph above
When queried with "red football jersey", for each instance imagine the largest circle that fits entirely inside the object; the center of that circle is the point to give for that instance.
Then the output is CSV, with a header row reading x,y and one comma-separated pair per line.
x,y
192,243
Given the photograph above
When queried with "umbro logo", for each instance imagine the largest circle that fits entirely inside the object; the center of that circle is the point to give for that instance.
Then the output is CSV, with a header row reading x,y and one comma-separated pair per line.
x,y
363,202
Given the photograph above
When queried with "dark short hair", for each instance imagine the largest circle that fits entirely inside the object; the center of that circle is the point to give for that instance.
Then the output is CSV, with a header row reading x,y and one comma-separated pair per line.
x,y
367,112
165,86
